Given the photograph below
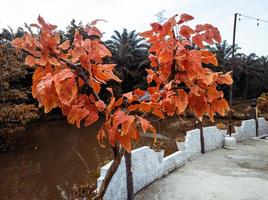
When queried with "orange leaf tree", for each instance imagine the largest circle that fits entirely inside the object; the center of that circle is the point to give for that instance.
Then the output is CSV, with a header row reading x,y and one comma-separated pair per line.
x,y
177,76
177,80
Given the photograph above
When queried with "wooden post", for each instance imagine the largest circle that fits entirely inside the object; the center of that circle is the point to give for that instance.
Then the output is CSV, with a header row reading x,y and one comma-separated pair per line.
x,y
253,103
202,142
130,193
257,122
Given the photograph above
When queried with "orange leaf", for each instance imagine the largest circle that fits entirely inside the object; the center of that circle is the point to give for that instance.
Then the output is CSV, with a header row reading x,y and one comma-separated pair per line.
x,y
133,132
111,104
184,18
126,125
17,42
125,141
197,39
93,31
110,90
65,45
105,73
65,85
94,22
92,117
216,36
119,102
147,34
181,101
133,107
151,75
53,61
145,124
41,61
225,79
77,114
209,58
198,105
41,20
43,90
95,85
129,96
145,107
100,137
99,50
30,61
139,92
100,105
152,90
220,106
156,27
158,113
212,93
186,31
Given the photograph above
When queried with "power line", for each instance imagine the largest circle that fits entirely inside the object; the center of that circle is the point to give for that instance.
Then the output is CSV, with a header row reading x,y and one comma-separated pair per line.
x,y
254,18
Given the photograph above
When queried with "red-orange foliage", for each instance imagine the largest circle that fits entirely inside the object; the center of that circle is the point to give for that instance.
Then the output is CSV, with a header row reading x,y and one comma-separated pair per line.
x,y
177,69
63,68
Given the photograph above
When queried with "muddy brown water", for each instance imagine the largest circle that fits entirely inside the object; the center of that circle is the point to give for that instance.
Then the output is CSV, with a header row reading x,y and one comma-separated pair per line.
x,y
48,162
47,165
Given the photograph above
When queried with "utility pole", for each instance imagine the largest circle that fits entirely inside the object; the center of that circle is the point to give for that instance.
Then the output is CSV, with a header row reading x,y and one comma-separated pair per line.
x,y
160,17
231,86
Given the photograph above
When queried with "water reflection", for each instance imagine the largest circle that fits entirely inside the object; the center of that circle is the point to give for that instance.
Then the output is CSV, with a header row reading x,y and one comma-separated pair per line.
x,y
49,161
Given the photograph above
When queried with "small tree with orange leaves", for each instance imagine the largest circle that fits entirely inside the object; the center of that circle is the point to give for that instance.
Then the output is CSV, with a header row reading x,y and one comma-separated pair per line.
x,y
178,80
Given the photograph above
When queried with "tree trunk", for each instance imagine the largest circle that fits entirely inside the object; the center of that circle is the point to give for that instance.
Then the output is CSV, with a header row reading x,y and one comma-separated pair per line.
x,y
130,193
111,171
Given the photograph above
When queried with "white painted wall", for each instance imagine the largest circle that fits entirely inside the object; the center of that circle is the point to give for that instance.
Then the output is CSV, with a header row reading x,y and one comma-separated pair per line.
x,y
263,126
148,165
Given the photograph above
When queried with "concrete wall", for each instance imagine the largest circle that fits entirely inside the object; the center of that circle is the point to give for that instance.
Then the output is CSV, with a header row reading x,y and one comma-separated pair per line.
x,y
263,126
248,129
148,165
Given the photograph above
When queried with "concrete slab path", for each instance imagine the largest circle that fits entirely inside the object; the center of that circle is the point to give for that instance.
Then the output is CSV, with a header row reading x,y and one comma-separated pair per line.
x,y
240,174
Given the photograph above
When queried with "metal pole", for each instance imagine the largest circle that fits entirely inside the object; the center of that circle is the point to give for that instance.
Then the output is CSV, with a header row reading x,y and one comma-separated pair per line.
x,y
231,86
130,193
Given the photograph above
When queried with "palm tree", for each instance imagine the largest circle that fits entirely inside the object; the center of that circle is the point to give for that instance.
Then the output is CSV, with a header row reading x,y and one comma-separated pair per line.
x,y
263,61
130,53
248,73
247,70
71,29
223,52
7,35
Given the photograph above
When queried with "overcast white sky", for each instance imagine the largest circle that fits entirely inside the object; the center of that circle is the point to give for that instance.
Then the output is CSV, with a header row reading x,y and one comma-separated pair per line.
x,y
138,14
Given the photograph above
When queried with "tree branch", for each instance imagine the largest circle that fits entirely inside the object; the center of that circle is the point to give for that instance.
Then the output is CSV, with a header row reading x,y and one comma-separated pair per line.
x,y
80,72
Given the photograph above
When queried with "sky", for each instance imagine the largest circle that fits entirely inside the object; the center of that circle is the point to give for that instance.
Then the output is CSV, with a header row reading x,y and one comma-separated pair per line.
x,y
138,14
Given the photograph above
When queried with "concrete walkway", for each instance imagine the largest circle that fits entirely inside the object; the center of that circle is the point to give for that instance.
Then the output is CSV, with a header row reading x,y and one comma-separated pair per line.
x,y
240,174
